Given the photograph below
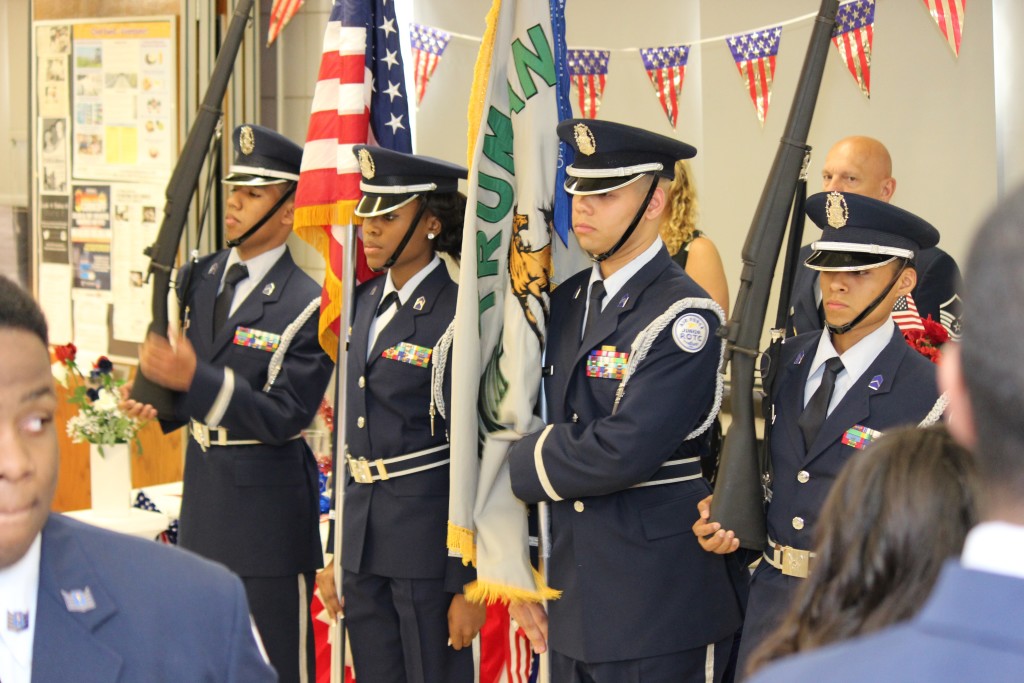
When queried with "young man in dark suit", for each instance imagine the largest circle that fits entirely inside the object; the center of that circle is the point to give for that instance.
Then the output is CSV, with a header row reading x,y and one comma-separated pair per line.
x,y
971,627
631,373
85,604
251,374
837,389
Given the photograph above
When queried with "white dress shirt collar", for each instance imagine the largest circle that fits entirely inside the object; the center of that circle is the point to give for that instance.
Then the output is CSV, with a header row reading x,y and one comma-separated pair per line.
x,y
19,591
258,267
404,294
617,280
996,547
856,360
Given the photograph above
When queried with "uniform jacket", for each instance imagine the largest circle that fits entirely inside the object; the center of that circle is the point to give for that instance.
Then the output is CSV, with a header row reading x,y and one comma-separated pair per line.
x,y
898,388
970,629
254,508
397,527
157,614
635,581
937,290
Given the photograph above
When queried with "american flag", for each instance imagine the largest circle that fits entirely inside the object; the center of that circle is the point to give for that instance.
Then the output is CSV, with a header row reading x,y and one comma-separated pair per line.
x,y
280,14
667,66
428,45
359,98
949,17
905,315
589,72
853,36
754,54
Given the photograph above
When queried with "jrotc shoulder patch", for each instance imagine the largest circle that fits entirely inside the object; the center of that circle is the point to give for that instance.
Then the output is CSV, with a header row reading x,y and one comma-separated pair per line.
x,y
690,332
607,363
859,436
257,339
405,352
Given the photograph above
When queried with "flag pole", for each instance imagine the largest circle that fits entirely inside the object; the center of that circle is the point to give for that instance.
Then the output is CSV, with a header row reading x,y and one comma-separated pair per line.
x,y
348,284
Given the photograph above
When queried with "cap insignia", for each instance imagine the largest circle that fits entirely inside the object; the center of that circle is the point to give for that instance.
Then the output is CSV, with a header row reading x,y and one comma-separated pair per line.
x,y
836,210
246,140
584,139
366,165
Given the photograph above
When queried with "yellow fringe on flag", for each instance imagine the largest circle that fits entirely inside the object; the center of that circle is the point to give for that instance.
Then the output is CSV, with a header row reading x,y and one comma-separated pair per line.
x,y
461,541
481,73
312,224
490,592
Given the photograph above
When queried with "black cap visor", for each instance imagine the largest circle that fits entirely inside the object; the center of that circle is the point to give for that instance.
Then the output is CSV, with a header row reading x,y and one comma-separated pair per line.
x,y
846,260
373,204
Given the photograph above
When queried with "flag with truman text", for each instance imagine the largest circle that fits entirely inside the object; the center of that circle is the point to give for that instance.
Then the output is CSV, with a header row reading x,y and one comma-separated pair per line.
x,y
359,98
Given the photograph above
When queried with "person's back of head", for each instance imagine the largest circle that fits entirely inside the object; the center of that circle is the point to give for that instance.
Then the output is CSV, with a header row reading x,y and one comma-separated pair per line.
x,y
991,361
680,220
891,520
19,311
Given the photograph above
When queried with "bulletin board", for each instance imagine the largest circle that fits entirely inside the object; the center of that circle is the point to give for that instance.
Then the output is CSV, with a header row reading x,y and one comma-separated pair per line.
x,y
104,111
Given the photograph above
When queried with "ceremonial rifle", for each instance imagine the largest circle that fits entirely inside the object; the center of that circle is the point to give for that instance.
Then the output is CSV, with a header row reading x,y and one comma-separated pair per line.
x,y
180,189
738,501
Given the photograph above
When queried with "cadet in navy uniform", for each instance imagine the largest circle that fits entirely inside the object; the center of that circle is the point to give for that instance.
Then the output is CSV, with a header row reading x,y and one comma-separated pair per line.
x,y
641,600
403,599
972,627
251,374
837,390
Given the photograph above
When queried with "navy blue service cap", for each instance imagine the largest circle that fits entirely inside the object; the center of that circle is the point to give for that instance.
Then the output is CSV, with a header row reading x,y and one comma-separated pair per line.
x,y
390,179
263,157
612,155
860,233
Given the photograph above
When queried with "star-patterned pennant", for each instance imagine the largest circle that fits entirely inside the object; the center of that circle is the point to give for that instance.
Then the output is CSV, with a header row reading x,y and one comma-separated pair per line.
x,y
853,36
589,72
754,54
949,17
666,67
428,44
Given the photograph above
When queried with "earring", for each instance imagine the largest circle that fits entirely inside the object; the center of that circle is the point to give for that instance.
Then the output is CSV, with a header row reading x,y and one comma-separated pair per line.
x,y
431,235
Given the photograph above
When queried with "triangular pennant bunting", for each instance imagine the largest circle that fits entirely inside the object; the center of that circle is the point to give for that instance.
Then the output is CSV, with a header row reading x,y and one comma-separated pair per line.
x,y
666,67
853,36
281,12
949,17
589,71
428,45
754,54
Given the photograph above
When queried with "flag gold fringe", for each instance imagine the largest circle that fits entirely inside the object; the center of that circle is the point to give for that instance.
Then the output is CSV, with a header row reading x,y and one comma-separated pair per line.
x,y
461,541
481,73
490,592
312,224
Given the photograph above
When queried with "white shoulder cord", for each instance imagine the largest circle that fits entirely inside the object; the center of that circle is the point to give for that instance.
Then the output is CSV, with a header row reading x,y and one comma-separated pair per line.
x,y
438,361
935,414
286,340
645,339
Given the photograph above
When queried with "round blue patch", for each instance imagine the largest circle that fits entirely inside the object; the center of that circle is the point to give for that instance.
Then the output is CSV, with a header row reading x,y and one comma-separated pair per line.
x,y
691,332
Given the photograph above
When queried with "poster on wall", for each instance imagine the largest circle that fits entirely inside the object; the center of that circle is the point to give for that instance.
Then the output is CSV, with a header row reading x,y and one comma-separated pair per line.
x,y
124,108
53,155
134,227
53,226
90,236
53,45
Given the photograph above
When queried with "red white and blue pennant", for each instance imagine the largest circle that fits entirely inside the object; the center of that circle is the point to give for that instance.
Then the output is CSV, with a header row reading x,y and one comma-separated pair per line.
x,y
853,36
666,67
428,44
949,17
754,54
589,72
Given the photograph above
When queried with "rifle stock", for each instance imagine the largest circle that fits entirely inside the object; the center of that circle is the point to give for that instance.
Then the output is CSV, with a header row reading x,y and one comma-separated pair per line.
x,y
180,189
738,501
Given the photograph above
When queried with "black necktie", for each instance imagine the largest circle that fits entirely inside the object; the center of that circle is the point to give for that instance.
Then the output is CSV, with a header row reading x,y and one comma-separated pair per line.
x,y
236,273
386,302
594,307
816,410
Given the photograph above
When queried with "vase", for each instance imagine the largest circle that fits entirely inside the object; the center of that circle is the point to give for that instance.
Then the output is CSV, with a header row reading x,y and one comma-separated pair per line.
x,y
111,478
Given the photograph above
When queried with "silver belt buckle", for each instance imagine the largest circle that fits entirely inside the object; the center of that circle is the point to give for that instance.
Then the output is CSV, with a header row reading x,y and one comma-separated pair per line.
x,y
359,468
201,433
796,562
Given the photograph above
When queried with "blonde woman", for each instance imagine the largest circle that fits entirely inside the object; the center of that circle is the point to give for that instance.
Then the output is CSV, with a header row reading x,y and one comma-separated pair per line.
x,y
689,247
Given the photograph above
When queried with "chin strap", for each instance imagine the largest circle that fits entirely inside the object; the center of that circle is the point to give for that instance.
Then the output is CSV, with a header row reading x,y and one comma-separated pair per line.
x,y
843,329
405,240
252,231
632,226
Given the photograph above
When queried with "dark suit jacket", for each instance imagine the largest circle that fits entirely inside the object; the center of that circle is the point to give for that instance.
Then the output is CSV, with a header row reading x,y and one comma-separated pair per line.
x,y
159,614
636,582
938,282
397,527
971,629
254,508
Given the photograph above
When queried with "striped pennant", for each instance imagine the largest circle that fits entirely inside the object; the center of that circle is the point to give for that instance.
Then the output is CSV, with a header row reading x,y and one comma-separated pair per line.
x,y
949,17
588,70
428,44
853,36
666,67
280,14
754,54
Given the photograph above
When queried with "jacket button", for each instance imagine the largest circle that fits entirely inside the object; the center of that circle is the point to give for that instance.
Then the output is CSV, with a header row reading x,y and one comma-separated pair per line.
x,y
575,417
803,476
578,506
362,382
361,422
798,523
